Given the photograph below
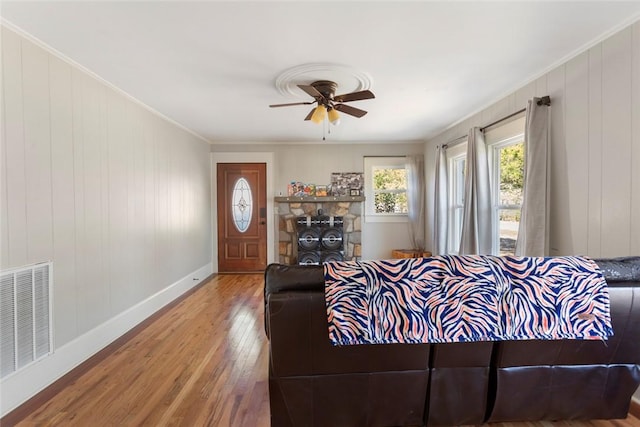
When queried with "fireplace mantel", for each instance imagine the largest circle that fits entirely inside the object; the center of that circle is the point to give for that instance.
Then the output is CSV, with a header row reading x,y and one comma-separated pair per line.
x,y
317,199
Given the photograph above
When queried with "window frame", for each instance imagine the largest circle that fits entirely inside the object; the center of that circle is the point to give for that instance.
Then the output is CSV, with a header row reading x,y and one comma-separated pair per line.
x,y
455,181
496,205
496,139
388,162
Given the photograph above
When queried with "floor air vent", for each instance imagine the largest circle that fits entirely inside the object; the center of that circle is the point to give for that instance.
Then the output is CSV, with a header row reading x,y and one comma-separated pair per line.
x,y
25,316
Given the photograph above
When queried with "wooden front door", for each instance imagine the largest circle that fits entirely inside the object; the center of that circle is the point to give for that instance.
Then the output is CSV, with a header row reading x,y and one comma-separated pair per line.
x,y
242,217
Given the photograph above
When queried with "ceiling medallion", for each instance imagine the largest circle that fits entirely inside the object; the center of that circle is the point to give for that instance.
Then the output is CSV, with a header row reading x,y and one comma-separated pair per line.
x,y
347,78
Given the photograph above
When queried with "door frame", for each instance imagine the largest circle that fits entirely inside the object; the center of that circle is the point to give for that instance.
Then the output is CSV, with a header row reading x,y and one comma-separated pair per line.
x,y
249,157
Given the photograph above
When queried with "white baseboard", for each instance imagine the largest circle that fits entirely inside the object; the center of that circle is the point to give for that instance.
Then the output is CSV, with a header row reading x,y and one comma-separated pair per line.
x,y
26,383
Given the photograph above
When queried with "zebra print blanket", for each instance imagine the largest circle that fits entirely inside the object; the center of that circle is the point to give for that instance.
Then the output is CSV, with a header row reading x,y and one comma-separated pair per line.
x,y
465,298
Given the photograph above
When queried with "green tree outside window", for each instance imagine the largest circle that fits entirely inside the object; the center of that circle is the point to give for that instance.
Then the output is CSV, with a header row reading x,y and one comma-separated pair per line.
x,y
390,190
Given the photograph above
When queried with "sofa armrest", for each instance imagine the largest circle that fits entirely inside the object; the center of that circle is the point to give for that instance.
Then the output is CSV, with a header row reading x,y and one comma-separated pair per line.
x,y
281,278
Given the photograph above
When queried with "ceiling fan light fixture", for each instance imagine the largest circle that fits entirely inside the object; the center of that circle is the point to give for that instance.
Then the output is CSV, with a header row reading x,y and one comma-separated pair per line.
x,y
319,114
323,94
334,117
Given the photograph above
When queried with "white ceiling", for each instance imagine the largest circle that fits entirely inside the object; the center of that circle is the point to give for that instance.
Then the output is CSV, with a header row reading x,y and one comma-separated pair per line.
x,y
211,65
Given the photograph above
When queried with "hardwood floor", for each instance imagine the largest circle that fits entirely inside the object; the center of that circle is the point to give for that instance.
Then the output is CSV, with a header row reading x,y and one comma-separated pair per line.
x,y
201,363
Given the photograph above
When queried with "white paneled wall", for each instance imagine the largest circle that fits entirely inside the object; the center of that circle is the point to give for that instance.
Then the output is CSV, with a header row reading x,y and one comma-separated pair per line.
x,y
116,196
595,147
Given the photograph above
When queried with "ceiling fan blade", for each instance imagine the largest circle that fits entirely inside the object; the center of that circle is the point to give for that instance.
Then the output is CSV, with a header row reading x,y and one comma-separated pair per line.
x,y
293,103
312,91
354,96
310,114
348,109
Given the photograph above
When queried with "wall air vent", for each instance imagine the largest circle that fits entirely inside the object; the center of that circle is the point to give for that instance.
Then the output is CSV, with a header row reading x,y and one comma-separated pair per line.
x,y
25,316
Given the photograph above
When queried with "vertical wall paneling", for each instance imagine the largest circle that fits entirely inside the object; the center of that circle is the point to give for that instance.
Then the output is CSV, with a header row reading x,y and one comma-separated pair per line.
x,y
82,276
158,213
92,287
168,190
496,111
150,223
595,147
14,134
487,113
178,198
616,136
4,206
117,202
503,109
145,223
98,184
104,291
204,196
63,198
476,120
79,187
560,231
162,205
541,86
37,139
594,124
135,202
577,148
635,132
524,94
174,180
173,188
513,105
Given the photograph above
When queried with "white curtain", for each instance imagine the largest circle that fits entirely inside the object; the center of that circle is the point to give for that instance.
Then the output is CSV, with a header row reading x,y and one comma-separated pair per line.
x,y
441,214
415,200
533,231
476,235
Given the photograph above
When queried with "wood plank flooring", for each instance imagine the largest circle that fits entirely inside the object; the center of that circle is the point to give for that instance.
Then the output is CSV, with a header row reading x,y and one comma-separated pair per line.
x,y
202,363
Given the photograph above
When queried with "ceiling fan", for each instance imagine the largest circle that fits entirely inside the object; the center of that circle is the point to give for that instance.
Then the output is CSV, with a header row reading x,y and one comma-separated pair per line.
x,y
323,93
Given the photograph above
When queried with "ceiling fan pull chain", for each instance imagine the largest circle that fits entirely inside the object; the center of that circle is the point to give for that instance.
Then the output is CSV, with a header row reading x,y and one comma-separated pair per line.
x,y
324,123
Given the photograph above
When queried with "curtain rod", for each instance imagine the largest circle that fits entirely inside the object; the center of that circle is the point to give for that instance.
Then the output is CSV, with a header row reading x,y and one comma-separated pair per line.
x,y
545,100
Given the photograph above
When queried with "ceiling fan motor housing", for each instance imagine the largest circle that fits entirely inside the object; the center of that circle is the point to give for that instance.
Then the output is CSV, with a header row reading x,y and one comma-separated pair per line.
x,y
326,88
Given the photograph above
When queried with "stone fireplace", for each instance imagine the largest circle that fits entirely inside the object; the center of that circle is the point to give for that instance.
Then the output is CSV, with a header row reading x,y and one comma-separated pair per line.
x,y
290,208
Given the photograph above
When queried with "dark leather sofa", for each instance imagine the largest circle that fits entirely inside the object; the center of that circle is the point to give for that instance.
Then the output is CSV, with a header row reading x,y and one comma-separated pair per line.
x,y
312,383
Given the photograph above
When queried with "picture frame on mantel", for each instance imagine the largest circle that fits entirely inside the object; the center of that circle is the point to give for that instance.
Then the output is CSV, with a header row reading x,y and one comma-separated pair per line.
x,y
343,183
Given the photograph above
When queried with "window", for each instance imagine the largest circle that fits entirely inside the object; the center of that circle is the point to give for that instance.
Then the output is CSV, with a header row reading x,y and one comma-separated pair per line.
x,y
456,157
385,189
505,147
241,205
507,177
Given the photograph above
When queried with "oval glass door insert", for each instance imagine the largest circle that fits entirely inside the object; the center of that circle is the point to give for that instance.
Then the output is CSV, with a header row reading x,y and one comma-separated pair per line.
x,y
241,205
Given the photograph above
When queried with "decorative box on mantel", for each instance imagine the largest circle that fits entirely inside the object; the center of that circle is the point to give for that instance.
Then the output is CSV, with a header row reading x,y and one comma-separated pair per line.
x,y
289,208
